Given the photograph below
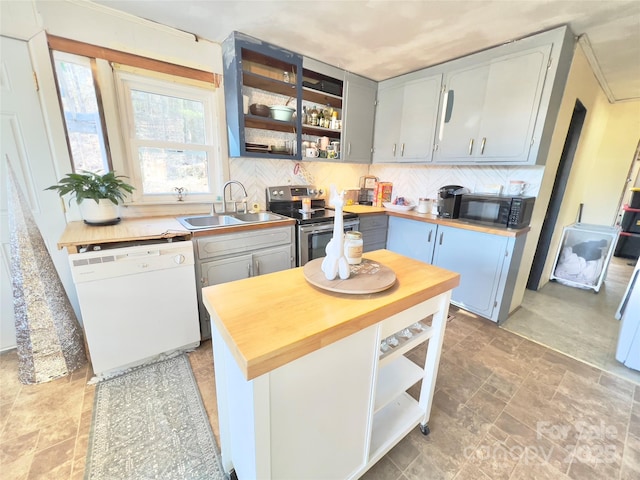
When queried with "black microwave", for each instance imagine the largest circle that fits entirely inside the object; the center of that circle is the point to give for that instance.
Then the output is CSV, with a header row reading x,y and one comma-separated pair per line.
x,y
497,210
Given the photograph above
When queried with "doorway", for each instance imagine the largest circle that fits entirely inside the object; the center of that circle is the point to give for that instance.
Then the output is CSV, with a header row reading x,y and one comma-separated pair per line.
x,y
632,180
557,194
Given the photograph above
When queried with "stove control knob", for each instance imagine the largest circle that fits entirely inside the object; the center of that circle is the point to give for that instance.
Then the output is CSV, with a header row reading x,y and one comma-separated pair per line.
x,y
274,193
312,191
281,192
320,192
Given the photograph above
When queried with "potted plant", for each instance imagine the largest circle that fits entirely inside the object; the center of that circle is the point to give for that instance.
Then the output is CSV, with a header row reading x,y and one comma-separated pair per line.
x,y
106,190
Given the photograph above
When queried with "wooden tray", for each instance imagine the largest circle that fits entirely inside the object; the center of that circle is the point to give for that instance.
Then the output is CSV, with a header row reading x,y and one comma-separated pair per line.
x,y
368,277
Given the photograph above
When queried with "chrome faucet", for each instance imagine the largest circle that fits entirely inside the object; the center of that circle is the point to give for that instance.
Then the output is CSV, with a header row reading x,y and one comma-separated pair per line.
x,y
224,196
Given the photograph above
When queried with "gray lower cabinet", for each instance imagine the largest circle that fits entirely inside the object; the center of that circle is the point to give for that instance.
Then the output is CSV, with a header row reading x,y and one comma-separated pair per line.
x,y
234,256
374,231
487,263
479,258
411,238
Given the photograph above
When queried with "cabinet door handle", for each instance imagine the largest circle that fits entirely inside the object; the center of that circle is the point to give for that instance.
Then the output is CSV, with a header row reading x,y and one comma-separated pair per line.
x,y
248,270
402,151
349,149
429,237
394,149
447,109
470,146
484,140
441,235
257,267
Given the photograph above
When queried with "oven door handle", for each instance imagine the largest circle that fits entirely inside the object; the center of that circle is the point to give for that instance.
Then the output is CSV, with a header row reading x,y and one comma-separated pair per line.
x,y
316,228
325,226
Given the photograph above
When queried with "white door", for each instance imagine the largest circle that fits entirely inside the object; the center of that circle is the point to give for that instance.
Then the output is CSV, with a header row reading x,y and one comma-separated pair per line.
x,y
24,143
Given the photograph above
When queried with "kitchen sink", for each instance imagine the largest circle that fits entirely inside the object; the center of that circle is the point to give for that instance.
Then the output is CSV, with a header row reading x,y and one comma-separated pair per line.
x,y
257,217
202,222
208,221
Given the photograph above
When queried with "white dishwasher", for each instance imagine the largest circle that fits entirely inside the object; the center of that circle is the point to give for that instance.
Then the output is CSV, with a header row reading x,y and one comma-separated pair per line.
x,y
137,302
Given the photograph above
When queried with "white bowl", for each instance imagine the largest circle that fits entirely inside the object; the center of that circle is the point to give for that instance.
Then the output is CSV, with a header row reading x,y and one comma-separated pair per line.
x,y
398,208
280,112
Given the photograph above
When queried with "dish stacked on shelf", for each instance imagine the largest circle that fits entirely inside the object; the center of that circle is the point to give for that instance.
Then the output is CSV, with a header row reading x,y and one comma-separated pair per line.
x,y
259,110
257,147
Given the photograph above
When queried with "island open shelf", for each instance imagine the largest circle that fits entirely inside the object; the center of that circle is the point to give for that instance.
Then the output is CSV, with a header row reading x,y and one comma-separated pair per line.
x,y
302,388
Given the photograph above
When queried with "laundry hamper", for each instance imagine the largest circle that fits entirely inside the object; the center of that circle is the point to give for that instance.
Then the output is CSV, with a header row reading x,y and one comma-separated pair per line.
x,y
584,255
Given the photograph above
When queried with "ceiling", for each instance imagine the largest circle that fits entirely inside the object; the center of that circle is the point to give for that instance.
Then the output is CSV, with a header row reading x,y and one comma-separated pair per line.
x,y
381,39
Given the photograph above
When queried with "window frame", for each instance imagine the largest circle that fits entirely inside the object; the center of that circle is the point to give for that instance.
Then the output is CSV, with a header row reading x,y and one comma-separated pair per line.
x,y
125,80
103,60
88,62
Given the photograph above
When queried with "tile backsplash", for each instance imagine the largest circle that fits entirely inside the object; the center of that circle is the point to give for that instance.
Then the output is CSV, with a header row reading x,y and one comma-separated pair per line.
x,y
410,181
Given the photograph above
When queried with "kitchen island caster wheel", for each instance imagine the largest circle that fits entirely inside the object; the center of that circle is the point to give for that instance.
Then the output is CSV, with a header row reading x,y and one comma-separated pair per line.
x,y
425,429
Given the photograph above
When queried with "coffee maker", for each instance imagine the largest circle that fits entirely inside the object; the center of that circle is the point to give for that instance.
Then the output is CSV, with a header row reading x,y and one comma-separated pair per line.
x,y
367,187
449,198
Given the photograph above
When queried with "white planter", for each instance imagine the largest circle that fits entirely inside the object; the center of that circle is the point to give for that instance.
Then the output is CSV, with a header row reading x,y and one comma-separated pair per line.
x,y
102,212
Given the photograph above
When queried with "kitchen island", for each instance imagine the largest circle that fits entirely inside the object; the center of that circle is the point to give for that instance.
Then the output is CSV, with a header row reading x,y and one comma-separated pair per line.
x,y
303,388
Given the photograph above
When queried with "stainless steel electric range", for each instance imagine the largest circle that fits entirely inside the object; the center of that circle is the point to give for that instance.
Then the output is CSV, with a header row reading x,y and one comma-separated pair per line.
x,y
314,229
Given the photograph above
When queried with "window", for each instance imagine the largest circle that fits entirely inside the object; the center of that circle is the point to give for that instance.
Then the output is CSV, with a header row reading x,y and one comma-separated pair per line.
x,y
154,123
82,119
169,134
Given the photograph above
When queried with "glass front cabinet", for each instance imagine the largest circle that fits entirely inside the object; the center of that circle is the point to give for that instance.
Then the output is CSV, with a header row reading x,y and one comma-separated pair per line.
x,y
262,86
281,105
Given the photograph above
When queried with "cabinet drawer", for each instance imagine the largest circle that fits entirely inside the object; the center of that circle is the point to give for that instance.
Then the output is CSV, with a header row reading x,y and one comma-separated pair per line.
x,y
218,245
371,222
374,236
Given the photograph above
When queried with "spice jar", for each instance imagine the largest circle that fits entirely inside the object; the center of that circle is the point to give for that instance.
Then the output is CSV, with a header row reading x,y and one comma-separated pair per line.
x,y
353,247
313,117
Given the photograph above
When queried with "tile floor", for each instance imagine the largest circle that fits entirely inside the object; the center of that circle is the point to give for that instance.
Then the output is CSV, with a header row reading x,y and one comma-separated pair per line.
x,y
504,408
588,331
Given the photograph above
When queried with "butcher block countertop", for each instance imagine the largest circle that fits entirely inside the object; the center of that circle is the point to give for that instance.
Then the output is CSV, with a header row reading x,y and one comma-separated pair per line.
x,y
429,218
364,209
270,320
79,233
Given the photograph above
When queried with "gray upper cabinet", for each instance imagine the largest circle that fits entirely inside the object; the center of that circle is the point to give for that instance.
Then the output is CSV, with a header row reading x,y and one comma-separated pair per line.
x,y
387,125
498,106
356,103
489,111
357,126
256,69
406,118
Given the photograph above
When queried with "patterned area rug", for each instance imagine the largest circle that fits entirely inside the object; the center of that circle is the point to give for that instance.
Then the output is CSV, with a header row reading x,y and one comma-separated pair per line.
x,y
151,424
